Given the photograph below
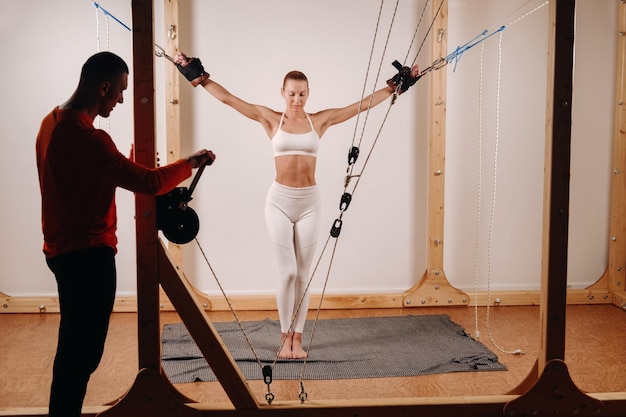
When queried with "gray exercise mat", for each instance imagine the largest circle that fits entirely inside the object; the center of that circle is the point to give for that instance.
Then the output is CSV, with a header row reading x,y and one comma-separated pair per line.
x,y
372,347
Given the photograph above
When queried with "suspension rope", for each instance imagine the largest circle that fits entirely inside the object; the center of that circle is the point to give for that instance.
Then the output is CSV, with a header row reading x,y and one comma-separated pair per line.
x,y
416,30
369,63
269,396
430,28
350,168
346,198
345,201
336,228
302,394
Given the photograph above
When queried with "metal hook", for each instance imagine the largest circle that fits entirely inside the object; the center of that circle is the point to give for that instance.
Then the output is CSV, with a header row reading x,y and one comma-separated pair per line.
x,y
267,378
171,32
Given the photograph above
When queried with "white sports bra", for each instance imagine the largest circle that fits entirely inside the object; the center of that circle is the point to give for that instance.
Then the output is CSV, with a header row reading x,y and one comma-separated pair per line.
x,y
285,143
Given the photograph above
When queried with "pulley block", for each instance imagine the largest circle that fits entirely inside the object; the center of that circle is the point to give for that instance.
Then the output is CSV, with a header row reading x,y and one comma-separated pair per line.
x,y
353,155
179,222
335,230
346,198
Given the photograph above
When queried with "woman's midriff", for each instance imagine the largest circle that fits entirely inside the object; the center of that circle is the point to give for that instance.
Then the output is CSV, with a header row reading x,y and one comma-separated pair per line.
x,y
295,170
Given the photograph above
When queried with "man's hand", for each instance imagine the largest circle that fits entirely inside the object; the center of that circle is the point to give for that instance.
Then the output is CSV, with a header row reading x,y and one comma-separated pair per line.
x,y
200,158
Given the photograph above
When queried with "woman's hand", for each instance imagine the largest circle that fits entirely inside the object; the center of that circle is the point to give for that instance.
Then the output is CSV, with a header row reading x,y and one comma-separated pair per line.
x,y
191,68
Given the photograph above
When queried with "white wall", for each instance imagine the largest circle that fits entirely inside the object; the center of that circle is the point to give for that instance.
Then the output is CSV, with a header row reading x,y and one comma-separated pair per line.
x,y
517,223
248,46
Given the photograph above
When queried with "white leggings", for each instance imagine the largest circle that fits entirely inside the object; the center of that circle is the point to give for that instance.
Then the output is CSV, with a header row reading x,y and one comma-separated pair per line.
x,y
292,216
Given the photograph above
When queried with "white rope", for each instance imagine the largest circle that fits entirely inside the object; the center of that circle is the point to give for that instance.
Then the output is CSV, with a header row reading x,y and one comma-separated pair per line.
x,y
525,15
479,192
529,12
98,49
108,46
494,190
97,30
493,205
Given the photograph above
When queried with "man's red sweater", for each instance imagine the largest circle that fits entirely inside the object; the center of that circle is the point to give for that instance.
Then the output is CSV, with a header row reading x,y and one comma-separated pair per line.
x,y
79,169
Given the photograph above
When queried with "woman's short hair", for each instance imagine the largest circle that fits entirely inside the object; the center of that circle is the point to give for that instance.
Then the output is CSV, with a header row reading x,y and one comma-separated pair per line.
x,y
296,76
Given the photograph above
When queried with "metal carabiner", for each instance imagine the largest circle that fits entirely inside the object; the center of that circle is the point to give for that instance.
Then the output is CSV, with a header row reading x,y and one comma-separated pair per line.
x,y
160,52
302,394
267,378
439,63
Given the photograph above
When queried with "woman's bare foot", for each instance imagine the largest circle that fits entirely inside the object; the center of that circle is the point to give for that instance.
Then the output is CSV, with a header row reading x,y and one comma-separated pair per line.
x,y
297,351
285,350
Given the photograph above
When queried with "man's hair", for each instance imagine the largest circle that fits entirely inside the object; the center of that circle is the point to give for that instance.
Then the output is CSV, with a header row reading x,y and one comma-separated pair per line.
x,y
295,75
103,66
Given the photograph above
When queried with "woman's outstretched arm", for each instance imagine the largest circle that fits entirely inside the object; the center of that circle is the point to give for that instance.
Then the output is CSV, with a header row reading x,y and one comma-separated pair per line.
x,y
329,117
193,70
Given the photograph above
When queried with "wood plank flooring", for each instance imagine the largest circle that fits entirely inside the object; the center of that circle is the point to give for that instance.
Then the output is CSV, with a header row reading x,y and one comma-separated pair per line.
x,y
595,355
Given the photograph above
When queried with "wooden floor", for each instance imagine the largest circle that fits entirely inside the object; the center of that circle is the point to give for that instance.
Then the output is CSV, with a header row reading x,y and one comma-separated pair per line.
x,y
595,355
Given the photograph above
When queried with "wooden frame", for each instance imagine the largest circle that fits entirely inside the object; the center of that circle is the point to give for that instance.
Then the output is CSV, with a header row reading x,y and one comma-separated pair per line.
x,y
551,389
548,389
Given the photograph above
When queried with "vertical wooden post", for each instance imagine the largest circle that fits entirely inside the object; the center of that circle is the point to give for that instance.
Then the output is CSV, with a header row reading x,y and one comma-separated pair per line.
x,y
433,288
554,392
617,232
437,140
172,109
145,209
557,180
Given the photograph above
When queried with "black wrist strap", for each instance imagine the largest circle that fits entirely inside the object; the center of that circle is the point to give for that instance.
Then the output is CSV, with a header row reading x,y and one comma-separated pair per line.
x,y
192,70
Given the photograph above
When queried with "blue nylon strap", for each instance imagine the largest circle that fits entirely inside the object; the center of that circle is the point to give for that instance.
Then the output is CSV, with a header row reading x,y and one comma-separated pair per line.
x,y
460,50
106,12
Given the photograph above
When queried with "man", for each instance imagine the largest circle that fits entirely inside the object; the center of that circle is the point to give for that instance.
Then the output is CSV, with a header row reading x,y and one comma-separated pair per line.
x,y
79,170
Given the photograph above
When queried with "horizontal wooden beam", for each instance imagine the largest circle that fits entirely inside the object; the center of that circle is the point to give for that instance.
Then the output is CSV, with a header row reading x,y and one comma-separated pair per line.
x,y
331,301
477,406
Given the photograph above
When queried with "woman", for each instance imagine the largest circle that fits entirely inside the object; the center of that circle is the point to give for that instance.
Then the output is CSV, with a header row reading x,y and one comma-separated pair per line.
x,y
292,209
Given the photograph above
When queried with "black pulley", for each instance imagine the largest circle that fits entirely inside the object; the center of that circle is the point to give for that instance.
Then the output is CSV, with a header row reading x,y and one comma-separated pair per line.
x,y
335,230
179,222
353,155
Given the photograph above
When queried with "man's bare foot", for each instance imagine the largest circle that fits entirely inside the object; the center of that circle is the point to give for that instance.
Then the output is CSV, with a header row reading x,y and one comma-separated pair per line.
x,y
297,351
285,350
